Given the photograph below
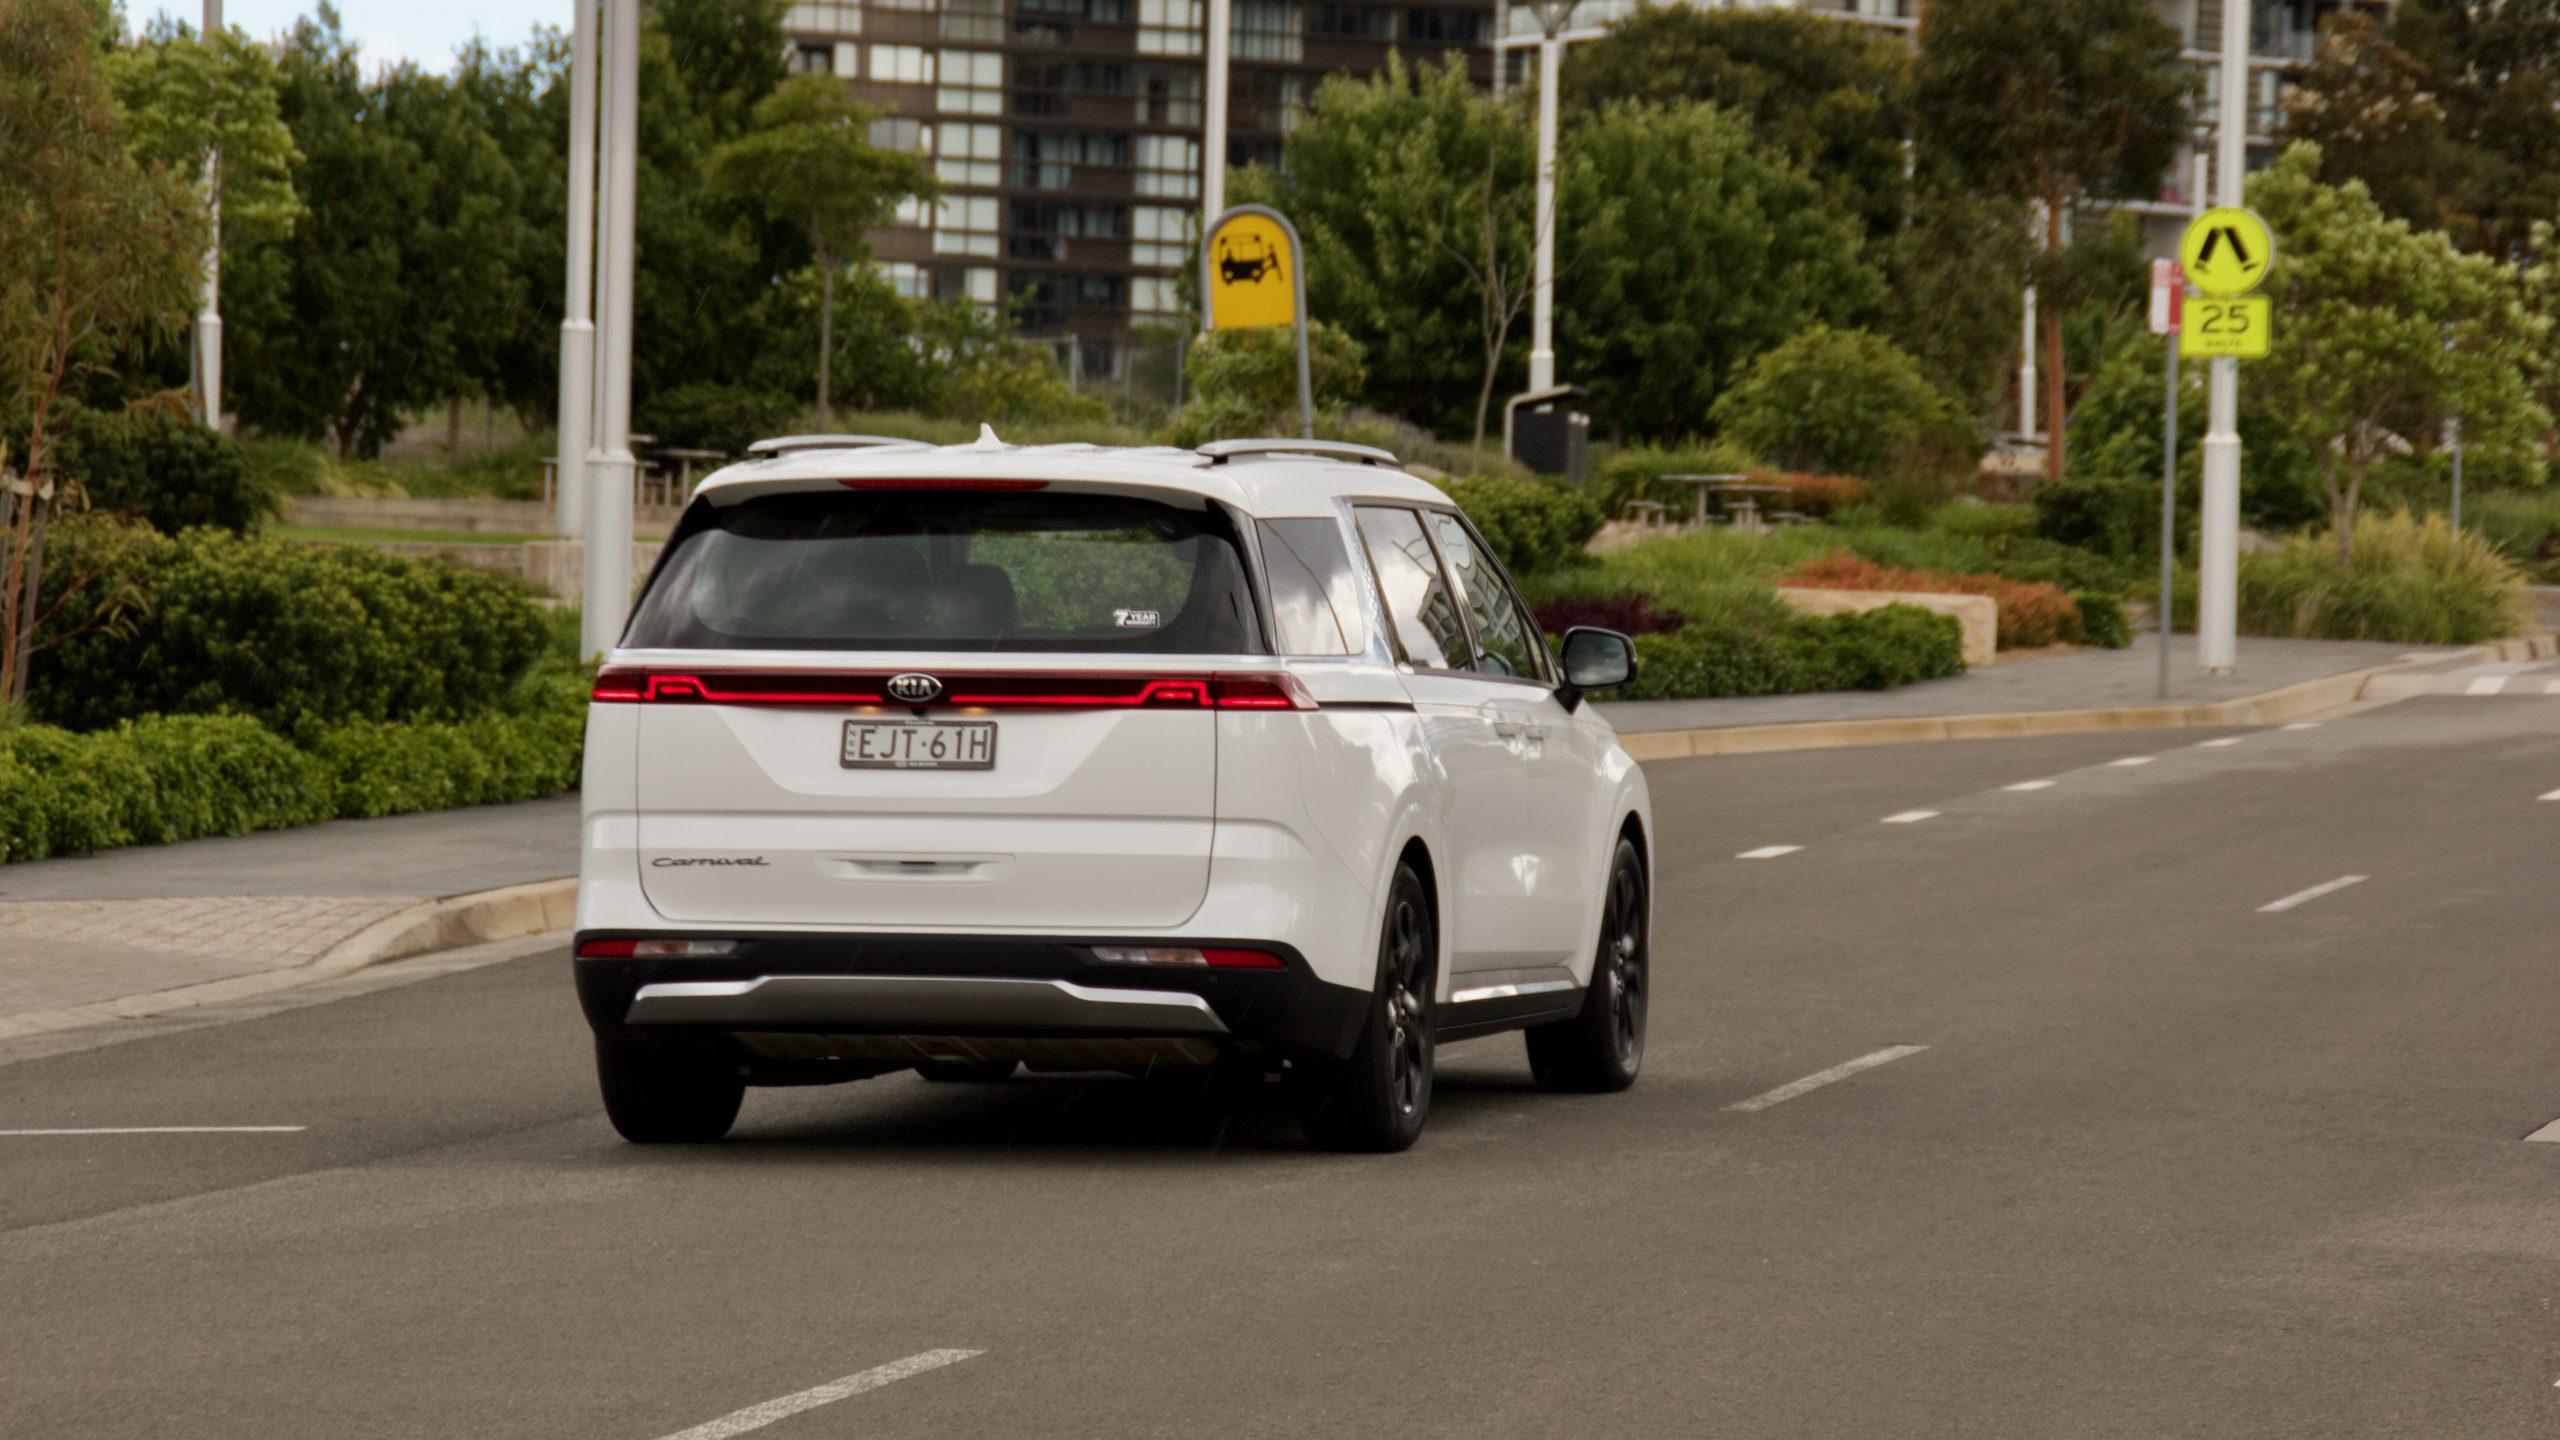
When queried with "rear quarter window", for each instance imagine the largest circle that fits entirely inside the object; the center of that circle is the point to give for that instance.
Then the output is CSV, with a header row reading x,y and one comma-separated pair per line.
x,y
951,570
1315,594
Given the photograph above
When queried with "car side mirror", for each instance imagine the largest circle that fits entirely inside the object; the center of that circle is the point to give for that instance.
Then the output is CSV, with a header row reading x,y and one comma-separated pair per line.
x,y
1595,659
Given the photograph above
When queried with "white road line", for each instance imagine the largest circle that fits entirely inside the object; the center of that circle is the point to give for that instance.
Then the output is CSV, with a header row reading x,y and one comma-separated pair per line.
x,y
1820,1078
2037,784
2487,685
2554,795
2549,687
756,1417
2218,744
1911,817
2131,760
170,1130
2549,1133
2314,893
1768,852
2298,724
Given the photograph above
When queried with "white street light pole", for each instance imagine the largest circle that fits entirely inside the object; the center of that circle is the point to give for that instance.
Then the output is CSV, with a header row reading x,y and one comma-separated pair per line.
x,y
1213,125
2218,551
1552,15
607,588
209,307
577,325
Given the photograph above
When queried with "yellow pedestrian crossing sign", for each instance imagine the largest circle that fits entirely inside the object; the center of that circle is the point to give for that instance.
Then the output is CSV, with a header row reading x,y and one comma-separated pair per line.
x,y
2227,252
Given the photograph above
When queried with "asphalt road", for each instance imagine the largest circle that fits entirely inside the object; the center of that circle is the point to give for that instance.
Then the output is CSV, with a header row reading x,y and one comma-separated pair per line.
x,y
2170,1164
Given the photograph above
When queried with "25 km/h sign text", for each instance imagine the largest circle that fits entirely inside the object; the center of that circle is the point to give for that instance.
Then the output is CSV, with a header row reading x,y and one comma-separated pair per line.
x,y
2227,329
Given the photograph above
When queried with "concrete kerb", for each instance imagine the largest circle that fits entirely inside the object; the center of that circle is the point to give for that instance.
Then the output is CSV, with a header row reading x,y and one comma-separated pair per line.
x,y
2274,707
459,920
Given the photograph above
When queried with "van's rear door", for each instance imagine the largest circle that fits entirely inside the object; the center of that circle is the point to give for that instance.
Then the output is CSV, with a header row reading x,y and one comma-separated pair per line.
x,y
931,708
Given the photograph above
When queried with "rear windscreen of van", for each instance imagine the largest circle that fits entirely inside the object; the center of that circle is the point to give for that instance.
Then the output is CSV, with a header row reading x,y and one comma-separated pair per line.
x,y
951,570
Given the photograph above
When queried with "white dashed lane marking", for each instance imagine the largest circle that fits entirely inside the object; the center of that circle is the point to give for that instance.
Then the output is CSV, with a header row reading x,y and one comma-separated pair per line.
x,y
2554,795
2225,740
2548,1134
756,1417
168,1130
1820,1078
2131,760
2042,784
2484,685
1911,817
2298,724
1768,852
2314,893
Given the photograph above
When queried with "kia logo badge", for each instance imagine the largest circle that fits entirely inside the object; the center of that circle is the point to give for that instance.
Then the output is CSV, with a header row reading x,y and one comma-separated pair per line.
x,y
913,688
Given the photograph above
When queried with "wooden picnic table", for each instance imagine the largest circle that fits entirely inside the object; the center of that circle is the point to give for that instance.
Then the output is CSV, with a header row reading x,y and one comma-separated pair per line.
x,y
1741,493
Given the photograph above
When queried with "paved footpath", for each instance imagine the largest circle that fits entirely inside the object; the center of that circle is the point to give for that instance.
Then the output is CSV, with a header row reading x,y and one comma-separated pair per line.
x,y
133,922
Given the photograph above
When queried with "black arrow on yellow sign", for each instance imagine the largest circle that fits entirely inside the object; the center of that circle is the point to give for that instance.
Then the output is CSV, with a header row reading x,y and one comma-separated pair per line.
x,y
2239,248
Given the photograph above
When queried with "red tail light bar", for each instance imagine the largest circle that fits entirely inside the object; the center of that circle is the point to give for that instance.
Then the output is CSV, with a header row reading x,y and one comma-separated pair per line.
x,y
624,686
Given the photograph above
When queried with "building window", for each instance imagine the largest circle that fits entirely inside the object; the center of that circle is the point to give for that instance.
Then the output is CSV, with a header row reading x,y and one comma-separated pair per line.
x,y
982,286
966,225
1101,12
904,4
1168,27
972,82
813,58
1356,22
824,17
1149,295
1169,97
1267,30
1168,167
907,137
971,155
974,21
1278,100
1158,234
901,65
1455,27
907,278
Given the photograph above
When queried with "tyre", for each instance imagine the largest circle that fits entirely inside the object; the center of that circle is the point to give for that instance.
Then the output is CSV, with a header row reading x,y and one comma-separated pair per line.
x,y
1601,1048
1377,1099
655,1098
966,1072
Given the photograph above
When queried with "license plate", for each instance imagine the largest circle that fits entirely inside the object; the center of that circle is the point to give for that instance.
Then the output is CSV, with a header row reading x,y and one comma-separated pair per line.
x,y
919,745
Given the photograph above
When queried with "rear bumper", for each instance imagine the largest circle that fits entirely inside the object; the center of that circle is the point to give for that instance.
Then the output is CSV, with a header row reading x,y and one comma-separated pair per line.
x,y
887,1000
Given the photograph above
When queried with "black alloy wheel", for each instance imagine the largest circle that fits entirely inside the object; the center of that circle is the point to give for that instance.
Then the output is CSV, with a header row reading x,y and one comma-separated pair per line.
x,y
1602,1047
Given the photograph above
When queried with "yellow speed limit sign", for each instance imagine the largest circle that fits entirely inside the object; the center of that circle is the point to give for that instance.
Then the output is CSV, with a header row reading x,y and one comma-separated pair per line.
x,y
1250,270
2237,329
2227,252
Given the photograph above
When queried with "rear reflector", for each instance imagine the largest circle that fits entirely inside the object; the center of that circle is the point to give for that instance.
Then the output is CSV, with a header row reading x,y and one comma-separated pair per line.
x,y
1215,957
656,949
953,483
1276,691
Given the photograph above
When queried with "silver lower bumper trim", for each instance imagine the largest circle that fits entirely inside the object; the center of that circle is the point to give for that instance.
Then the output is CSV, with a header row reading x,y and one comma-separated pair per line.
x,y
921,1002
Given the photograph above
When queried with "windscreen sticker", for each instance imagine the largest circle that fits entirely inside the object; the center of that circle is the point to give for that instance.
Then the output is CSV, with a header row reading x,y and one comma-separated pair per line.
x,y
1137,619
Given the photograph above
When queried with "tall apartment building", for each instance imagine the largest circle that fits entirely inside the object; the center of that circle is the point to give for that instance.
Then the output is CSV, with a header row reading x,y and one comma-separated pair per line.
x,y
1067,132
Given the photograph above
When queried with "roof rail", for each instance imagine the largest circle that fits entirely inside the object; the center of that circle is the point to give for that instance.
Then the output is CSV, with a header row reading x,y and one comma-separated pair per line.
x,y
1221,451
792,444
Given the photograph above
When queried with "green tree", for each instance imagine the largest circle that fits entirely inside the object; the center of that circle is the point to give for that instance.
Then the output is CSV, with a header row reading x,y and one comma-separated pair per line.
x,y
1411,190
1692,248
2384,331
809,159
2053,104
2450,114
1839,402
1833,96
1244,383
1953,277
184,99
97,252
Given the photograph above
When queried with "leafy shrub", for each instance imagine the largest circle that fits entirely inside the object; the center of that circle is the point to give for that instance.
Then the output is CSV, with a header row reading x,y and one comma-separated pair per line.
x,y
1628,612
2112,515
167,471
1244,383
1840,402
706,415
2524,526
2031,613
2102,620
1531,524
298,636
1984,524
2414,581
1815,495
1870,650
392,767
149,781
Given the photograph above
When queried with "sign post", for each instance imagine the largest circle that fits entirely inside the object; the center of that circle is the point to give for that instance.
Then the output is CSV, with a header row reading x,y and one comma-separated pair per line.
x,y
2226,254
2168,305
1252,276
